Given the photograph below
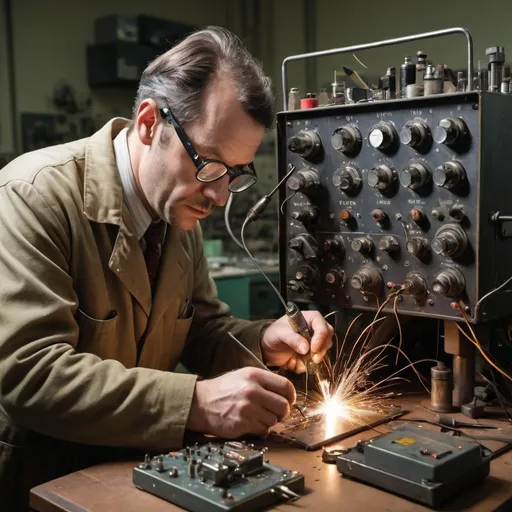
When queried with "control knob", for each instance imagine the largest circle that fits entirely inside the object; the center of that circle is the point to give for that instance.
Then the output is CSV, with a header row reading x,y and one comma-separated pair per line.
x,y
415,176
381,177
347,179
303,180
415,284
333,246
304,244
306,274
418,247
347,139
450,240
307,215
416,134
336,277
306,144
449,174
389,244
451,131
449,282
367,280
362,245
382,136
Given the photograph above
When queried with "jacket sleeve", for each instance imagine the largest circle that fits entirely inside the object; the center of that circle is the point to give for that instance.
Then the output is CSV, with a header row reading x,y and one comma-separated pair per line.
x,y
45,384
209,350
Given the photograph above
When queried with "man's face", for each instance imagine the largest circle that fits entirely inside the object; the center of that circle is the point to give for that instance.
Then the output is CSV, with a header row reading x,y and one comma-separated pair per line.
x,y
165,173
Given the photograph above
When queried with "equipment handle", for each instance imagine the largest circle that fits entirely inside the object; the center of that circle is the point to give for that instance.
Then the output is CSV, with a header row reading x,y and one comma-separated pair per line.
x,y
378,44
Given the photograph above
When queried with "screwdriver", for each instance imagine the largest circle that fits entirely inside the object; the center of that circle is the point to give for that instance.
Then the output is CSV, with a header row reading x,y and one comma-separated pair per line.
x,y
259,364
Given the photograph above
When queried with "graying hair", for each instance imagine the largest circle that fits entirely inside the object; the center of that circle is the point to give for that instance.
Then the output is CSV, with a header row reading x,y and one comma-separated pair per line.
x,y
178,78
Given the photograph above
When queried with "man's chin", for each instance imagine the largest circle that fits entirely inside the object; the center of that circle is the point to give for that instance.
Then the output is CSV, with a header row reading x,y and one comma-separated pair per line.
x,y
187,224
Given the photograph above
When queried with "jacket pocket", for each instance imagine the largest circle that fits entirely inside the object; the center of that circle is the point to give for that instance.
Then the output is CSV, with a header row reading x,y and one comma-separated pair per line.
x,y
94,334
181,330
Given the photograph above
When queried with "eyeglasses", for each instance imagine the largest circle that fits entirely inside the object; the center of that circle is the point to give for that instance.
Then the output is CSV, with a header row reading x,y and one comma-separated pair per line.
x,y
210,169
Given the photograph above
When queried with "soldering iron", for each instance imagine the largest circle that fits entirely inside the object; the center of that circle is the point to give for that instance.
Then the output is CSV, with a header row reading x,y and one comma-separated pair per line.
x,y
294,315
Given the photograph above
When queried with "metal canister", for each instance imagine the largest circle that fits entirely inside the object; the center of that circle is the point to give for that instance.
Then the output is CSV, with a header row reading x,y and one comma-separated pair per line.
x,y
407,75
338,90
432,84
442,388
294,99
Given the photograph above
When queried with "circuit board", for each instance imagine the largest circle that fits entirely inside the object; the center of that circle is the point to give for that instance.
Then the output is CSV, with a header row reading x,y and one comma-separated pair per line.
x,y
230,476
313,432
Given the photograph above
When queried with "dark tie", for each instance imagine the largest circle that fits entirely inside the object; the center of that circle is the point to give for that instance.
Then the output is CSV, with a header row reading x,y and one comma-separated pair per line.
x,y
154,238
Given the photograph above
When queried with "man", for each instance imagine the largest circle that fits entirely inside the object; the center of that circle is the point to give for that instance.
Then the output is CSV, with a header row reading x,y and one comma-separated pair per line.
x,y
105,286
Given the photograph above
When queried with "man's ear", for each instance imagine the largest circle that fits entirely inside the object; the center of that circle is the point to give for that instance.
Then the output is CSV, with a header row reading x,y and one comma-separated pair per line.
x,y
146,121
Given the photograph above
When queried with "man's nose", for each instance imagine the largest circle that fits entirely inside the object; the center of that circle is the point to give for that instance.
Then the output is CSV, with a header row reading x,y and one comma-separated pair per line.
x,y
217,191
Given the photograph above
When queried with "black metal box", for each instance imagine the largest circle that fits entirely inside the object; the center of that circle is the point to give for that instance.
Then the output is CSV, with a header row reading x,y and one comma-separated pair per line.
x,y
117,64
346,232
113,28
161,34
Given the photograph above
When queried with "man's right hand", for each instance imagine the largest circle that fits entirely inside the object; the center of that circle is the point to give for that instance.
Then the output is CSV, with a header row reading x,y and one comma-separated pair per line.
x,y
246,401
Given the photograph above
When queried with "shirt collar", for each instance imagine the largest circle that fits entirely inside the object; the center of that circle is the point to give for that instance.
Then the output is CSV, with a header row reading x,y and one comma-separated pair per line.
x,y
140,215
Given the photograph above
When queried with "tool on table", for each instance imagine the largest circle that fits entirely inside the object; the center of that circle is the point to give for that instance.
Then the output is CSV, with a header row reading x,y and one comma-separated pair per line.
x,y
258,363
299,324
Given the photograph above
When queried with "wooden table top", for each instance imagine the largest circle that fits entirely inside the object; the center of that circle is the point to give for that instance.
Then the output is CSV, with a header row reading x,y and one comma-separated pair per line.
x,y
109,487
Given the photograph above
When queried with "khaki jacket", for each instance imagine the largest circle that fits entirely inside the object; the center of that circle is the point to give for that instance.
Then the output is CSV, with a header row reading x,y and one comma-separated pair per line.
x,y
86,355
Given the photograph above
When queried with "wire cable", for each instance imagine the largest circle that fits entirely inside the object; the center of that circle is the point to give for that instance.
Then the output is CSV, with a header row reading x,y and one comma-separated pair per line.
x,y
244,245
285,201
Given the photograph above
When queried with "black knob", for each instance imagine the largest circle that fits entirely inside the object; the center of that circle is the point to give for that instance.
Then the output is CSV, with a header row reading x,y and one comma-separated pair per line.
x,y
449,174
333,246
303,180
418,247
415,176
415,134
307,274
346,139
306,144
451,131
381,177
382,136
379,216
305,245
347,178
367,280
449,282
363,245
295,286
415,284
389,244
335,277
458,212
450,240
308,215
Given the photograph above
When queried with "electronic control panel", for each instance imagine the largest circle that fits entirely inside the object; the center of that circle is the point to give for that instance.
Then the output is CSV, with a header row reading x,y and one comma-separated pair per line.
x,y
405,193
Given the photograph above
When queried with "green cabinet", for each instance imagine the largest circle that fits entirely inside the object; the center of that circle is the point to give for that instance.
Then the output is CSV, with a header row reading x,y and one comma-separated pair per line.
x,y
248,294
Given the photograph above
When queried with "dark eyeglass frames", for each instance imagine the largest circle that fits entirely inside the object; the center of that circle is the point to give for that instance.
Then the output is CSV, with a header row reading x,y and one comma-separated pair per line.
x,y
210,169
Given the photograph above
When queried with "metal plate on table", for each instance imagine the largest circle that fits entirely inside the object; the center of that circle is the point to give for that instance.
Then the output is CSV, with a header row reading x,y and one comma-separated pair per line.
x,y
314,432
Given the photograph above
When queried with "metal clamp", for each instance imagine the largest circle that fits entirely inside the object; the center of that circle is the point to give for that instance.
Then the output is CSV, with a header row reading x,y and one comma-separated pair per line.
x,y
378,44
503,222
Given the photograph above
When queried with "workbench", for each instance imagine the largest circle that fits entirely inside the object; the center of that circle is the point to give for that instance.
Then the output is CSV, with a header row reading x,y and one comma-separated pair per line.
x,y
108,487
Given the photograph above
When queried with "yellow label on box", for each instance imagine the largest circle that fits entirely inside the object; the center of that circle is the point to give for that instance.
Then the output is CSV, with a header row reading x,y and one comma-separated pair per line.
x,y
405,441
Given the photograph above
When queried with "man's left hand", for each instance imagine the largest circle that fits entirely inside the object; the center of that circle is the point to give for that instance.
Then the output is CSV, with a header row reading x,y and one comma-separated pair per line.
x,y
282,346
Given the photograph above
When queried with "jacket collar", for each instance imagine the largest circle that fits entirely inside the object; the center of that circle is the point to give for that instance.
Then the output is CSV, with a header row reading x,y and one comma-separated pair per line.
x,y
104,203
103,191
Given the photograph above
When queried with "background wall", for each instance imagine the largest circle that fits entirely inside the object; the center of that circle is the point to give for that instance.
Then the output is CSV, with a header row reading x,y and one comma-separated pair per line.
x,y
342,24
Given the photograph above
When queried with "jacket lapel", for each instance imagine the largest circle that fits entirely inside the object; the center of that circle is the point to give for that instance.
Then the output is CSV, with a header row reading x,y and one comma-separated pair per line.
x,y
127,262
104,203
171,273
